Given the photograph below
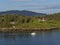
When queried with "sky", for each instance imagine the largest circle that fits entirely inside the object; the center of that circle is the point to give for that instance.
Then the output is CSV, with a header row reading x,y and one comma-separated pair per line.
x,y
40,6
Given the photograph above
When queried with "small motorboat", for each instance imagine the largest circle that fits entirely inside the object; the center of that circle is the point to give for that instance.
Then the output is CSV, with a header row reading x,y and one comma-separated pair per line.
x,y
33,33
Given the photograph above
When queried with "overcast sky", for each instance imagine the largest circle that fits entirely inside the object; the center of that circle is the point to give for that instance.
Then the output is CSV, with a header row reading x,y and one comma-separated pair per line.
x,y
41,6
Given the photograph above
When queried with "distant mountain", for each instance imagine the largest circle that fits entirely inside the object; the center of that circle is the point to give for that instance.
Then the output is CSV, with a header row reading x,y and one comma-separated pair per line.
x,y
23,12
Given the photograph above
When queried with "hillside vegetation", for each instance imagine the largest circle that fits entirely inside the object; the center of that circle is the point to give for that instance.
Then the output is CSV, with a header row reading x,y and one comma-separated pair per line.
x,y
19,21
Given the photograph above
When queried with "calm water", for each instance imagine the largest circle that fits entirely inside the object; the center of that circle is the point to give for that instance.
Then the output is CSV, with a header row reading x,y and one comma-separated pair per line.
x,y
26,38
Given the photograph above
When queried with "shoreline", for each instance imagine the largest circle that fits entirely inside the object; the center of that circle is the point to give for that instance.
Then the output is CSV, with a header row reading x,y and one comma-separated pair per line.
x,y
26,29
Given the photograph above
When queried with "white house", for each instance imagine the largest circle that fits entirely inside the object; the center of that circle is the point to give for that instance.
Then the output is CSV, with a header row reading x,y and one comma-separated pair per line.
x,y
41,19
12,22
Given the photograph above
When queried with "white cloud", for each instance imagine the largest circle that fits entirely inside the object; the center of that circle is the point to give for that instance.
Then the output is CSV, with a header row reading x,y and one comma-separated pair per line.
x,y
44,7
28,0
21,0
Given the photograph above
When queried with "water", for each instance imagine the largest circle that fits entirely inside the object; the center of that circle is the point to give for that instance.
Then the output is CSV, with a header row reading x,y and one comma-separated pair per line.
x,y
26,38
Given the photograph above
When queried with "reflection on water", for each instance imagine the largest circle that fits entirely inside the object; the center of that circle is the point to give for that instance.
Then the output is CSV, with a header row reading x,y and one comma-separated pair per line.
x,y
31,38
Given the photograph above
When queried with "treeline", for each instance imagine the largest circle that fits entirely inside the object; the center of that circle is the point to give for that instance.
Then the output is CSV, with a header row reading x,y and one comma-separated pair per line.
x,y
27,21
6,19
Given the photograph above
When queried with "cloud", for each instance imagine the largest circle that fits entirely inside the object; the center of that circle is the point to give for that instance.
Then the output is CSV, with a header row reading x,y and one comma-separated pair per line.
x,y
21,0
48,11
41,6
50,8
53,6
38,7
30,5
28,0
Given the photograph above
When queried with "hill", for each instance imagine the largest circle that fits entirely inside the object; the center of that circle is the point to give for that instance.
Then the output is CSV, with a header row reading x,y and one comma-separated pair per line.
x,y
23,12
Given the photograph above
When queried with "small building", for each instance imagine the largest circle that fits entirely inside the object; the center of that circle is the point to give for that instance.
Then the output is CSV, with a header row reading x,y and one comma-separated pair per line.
x,y
12,22
41,19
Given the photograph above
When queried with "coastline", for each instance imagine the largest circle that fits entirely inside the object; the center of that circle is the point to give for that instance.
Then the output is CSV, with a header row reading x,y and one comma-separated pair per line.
x,y
26,29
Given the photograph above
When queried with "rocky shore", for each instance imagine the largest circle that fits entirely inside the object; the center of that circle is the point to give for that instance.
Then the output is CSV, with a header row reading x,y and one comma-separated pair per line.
x,y
26,29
